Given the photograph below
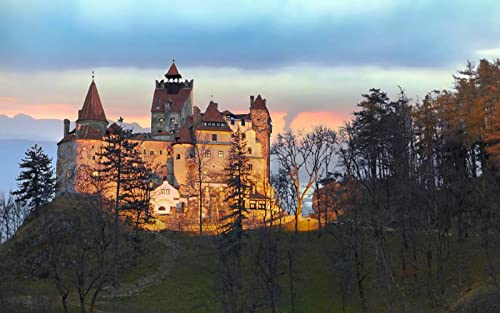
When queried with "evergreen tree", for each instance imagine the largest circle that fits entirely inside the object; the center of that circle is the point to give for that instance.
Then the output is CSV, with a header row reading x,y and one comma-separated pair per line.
x,y
36,181
230,240
117,165
238,187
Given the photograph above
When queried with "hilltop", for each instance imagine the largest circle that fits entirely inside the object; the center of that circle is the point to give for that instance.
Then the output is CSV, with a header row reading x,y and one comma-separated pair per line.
x,y
177,273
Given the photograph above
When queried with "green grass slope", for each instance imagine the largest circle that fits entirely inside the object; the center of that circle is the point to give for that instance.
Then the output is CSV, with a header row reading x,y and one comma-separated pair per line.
x,y
178,273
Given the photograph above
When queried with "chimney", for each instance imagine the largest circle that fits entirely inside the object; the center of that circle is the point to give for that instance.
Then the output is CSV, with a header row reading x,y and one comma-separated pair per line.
x,y
66,127
251,100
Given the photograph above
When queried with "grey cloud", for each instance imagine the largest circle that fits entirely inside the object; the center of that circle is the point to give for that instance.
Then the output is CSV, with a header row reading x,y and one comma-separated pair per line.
x,y
423,33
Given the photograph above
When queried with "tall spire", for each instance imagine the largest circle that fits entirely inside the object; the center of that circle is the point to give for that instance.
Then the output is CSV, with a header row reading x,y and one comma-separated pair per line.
x,y
92,106
173,72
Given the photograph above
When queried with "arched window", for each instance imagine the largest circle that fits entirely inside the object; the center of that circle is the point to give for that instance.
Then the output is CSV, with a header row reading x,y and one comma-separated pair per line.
x,y
178,156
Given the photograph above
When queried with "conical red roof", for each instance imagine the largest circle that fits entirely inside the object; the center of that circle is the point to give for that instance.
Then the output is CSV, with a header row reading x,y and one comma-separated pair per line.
x,y
173,72
92,107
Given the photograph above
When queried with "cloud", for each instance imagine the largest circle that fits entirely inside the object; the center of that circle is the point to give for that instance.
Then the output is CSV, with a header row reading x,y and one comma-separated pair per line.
x,y
248,34
489,53
291,90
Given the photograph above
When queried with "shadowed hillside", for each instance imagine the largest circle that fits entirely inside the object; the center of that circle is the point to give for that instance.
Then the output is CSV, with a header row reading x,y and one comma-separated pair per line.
x,y
177,272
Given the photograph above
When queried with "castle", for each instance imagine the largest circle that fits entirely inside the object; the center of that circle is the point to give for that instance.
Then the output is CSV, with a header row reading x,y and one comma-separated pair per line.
x,y
179,130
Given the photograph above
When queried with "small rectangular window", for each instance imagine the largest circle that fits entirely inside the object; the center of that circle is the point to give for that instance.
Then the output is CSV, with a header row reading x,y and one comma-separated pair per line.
x,y
151,152
161,152
208,154
250,166
221,154
249,150
214,137
242,122
244,136
232,121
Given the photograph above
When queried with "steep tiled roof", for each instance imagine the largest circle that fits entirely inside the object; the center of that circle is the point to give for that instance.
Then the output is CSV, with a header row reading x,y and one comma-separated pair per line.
x,y
84,132
88,132
113,128
212,114
161,96
212,119
92,107
173,72
184,135
259,104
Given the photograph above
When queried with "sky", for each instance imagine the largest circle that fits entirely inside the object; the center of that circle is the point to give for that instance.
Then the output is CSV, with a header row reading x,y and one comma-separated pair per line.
x,y
311,59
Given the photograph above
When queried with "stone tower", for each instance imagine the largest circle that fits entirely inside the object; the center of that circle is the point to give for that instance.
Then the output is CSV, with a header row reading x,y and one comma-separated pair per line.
x,y
261,124
172,105
76,152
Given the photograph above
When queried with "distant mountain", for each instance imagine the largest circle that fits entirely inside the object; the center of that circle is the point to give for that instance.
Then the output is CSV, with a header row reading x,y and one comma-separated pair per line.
x,y
23,126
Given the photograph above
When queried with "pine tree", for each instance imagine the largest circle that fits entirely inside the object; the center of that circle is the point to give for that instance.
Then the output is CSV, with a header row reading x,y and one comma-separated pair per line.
x,y
238,186
115,168
36,180
231,237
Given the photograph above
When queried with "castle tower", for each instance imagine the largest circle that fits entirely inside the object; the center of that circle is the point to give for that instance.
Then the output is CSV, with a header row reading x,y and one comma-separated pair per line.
x,y
262,125
182,150
172,105
92,113
76,152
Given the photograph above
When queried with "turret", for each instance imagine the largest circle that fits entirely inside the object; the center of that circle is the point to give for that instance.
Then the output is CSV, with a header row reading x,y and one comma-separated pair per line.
x,y
172,104
261,124
92,113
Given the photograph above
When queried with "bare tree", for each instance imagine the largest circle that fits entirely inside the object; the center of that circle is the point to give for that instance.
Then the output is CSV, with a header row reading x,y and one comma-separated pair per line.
x,y
302,157
12,215
201,156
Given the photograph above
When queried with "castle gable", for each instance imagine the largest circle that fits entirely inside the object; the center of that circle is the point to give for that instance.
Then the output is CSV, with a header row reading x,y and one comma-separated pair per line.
x,y
212,119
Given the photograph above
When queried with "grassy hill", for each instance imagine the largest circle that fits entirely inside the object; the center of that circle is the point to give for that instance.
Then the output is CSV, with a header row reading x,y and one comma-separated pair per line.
x,y
178,273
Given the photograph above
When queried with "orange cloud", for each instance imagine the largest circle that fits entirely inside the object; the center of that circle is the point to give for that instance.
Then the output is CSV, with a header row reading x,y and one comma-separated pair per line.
x,y
12,106
308,120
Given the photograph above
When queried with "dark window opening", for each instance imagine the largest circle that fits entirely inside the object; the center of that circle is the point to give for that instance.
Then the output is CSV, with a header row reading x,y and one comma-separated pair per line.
x,y
242,122
178,157
214,137
249,150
